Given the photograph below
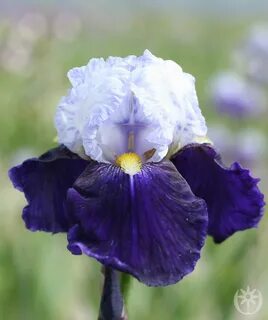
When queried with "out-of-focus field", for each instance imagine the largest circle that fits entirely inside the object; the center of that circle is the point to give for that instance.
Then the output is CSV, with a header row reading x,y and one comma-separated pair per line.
x,y
39,278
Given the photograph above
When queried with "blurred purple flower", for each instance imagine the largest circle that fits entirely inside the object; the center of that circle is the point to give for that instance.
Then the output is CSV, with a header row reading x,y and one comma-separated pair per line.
x,y
252,54
132,184
233,95
250,147
247,146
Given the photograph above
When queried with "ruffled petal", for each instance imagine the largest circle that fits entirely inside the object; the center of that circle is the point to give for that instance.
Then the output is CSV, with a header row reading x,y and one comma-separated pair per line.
x,y
233,198
149,225
45,181
145,97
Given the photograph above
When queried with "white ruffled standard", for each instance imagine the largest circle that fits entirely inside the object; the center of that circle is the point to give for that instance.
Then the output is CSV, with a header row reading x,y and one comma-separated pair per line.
x,y
136,104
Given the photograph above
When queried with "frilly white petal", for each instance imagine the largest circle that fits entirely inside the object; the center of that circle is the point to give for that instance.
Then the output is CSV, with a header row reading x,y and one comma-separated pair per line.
x,y
147,96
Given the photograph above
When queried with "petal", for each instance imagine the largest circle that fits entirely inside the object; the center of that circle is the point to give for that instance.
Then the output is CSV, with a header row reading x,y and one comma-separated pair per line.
x,y
97,92
151,98
45,181
234,201
166,96
149,225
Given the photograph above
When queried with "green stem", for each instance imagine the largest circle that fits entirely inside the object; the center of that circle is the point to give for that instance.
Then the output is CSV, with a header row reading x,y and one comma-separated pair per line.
x,y
125,285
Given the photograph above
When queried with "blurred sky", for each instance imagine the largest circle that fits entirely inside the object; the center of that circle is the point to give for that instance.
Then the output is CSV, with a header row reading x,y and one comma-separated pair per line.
x,y
220,8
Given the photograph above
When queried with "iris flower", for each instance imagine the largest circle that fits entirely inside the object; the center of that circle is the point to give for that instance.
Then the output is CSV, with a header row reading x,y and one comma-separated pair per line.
x,y
135,183
251,56
237,97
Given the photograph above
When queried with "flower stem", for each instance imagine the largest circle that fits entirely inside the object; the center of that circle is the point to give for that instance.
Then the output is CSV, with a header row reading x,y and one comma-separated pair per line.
x,y
112,305
125,285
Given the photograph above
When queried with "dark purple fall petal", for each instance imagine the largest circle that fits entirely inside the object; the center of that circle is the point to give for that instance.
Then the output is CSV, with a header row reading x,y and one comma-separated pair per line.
x,y
45,182
233,198
149,225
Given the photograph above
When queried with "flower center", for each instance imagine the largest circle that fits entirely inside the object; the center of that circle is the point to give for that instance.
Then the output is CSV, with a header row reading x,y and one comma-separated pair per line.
x,y
129,162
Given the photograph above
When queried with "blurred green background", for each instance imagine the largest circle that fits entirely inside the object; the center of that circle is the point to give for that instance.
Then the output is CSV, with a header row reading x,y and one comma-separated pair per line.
x,y
39,43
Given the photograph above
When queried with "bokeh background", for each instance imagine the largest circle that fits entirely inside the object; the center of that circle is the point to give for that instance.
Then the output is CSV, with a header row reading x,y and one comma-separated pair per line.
x,y
224,44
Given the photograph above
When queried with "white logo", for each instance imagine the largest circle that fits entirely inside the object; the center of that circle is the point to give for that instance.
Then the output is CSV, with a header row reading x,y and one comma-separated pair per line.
x,y
248,302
